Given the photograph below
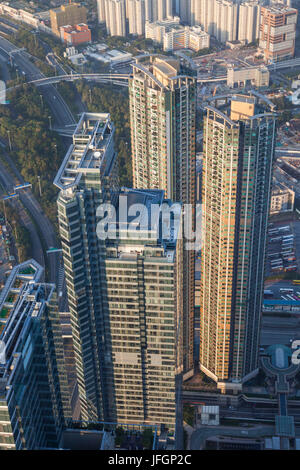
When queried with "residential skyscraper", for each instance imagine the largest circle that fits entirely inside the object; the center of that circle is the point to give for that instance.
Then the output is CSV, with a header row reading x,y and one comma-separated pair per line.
x,y
88,176
101,11
34,396
238,157
124,293
136,16
249,21
115,17
162,116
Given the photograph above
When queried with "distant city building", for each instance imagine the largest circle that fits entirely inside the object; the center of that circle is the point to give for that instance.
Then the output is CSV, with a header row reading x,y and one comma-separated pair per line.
x,y
219,18
226,20
236,192
158,10
156,30
112,57
162,100
256,76
115,17
278,32
185,37
136,17
283,198
249,21
74,35
70,14
34,395
101,11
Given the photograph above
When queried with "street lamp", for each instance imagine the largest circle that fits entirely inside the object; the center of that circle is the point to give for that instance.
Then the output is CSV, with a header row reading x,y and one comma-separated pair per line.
x,y
40,187
49,117
9,141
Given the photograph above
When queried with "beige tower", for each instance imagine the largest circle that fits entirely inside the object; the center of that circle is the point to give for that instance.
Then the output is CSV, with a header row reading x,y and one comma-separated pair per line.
x,y
238,152
162,116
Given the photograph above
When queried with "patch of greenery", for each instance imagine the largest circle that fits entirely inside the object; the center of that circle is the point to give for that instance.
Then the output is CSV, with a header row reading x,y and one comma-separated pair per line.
x,y
147,438
188,414
21,234
36,150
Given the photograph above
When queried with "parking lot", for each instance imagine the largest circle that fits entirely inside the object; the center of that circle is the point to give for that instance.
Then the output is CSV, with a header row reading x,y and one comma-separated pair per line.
x,y
282,248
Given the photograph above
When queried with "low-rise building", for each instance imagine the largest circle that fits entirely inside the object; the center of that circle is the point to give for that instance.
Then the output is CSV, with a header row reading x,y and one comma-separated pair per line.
x,y
74,35
282,199
174,36
256,76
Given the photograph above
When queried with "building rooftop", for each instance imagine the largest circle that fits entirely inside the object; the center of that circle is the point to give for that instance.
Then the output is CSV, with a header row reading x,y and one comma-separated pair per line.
x,y
144,215
29,271
31,300
163,72
279,8
91,138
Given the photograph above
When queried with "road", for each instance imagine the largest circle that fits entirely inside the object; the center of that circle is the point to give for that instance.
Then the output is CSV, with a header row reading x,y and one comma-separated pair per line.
x,y
7,182
57,105
279,330
62,116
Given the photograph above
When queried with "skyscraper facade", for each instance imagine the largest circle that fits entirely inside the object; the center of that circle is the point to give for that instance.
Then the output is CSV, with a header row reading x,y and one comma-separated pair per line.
x,y
124,293
238,156
136,16
249,20
115,17
88,176
162,115
34,396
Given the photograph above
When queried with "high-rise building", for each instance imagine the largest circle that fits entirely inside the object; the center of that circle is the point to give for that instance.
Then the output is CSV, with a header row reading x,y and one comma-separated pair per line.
x,y
158,10
88,176
115,17
219,18
142,309
70,14
162,114
136,16
249,21
238,152
34,396
278,32
101,11
226,20
124,293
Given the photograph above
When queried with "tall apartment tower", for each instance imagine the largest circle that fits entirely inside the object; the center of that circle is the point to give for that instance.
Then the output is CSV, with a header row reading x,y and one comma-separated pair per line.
x,y
249,21
278,32
34,396
124,292
219,18
162,115
238,157
136,16
115,17
226,20
142,310
101,11
87,177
